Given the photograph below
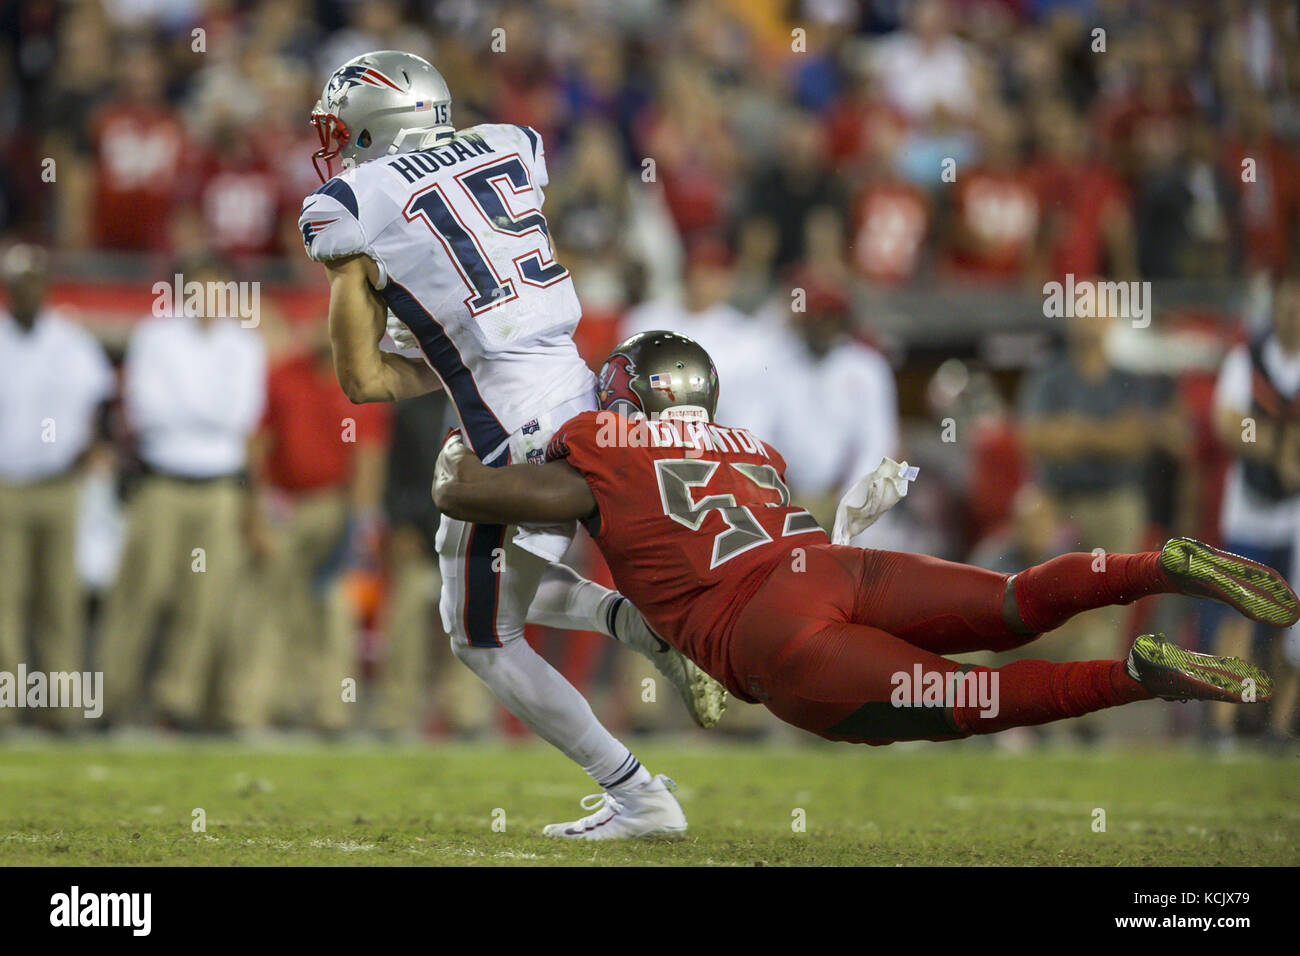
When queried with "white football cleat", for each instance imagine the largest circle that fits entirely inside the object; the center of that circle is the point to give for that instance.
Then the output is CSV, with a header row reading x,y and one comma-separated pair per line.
x,y
704,697
651,811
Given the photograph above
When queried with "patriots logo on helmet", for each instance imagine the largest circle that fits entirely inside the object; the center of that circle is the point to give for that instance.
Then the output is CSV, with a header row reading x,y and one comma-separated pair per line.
x,y
614,389
357,75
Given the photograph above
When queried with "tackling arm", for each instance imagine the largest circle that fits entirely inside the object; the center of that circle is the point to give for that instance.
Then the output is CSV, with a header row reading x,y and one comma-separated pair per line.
x,y
467,489
357,321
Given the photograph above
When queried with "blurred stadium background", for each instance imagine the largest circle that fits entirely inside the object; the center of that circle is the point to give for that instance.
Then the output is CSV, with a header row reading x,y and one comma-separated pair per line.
x,y
712,162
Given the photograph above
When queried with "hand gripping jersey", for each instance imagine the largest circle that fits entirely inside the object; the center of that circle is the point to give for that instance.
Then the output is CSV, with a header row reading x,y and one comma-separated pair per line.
x,y
692,518
465,263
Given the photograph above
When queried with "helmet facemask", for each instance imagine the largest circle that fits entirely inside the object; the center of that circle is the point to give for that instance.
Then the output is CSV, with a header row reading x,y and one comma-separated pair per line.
x,y
333,134
378,104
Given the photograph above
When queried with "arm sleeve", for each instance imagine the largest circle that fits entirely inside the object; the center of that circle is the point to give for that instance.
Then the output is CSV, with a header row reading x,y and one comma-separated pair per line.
x,y
330,222
269,423
575,441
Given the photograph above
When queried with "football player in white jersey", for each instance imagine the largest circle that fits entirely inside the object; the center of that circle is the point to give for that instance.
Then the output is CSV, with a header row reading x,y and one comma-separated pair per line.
x,y
443,229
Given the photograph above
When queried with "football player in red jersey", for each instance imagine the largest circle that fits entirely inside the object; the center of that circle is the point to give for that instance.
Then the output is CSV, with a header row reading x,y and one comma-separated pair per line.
x,y
695,521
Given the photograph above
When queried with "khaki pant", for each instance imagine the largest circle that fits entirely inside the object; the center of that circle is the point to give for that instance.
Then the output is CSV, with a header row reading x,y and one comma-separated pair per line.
x,y
297,639
182,555
1112,521
410,634
38,581
417,650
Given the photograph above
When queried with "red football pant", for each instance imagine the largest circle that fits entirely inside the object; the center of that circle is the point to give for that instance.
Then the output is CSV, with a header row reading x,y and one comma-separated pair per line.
x,y
844,642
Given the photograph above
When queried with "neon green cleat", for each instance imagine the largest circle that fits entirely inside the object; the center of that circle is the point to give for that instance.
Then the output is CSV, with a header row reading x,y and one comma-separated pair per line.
x,y
1173,673
1258,592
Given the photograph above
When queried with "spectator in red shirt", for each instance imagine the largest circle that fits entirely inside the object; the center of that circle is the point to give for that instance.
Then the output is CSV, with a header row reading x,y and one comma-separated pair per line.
x,y
1269,196
239,203
1146,111
995,210
695,156
525,84
1086,228
319,463
891,216
139,154
857,119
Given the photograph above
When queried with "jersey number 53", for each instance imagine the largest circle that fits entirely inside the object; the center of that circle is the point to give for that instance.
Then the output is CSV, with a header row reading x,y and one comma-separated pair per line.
x,y
677,476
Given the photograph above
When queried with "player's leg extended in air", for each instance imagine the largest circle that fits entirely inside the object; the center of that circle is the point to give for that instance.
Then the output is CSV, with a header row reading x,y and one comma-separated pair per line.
x,y
845,642
858,656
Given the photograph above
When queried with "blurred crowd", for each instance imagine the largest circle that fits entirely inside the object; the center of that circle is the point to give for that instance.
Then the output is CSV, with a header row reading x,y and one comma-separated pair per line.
x,y
743,171
1082,136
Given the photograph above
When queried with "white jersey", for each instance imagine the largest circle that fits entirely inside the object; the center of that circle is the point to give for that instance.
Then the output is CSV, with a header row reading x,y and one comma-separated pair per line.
x,y
465,262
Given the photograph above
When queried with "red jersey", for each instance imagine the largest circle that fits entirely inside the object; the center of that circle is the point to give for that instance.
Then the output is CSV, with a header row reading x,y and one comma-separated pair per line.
x,y
241,198
692,518
140,154
315,431
1270,203
891,222
999,212
1075,199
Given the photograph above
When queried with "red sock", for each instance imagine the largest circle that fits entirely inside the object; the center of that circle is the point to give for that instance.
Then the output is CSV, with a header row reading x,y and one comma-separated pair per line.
x,y
1049,594
1037,692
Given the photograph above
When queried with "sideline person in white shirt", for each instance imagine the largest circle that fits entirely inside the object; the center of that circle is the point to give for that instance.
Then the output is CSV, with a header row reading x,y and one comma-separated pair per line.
x,y
194,388
836,409
54,381
1257,416
741,345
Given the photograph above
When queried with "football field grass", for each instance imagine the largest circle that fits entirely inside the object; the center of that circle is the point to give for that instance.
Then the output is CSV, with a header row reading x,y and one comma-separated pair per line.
x,y
123,804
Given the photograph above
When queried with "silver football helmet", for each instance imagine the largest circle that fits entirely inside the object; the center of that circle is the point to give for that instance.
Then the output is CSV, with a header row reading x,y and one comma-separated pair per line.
x,y
376,104
659,375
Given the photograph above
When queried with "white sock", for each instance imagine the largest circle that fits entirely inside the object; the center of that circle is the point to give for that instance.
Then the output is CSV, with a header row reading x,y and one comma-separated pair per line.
x,y
551,707
568,601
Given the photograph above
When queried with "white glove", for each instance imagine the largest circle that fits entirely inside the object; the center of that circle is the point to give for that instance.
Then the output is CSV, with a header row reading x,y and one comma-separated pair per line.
x,y
402,337
871,497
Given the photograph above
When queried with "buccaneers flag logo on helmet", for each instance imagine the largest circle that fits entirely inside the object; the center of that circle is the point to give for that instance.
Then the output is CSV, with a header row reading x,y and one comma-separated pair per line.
x,y
615,392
